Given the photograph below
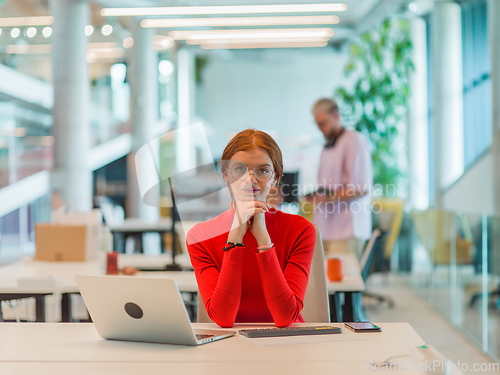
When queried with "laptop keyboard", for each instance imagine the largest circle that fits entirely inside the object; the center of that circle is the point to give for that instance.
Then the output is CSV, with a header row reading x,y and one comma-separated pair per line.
x,y
202,336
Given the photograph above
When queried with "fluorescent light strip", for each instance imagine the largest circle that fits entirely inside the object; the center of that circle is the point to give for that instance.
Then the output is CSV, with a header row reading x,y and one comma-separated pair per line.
x,y
240,21
13,132
111,54
17,49
257,40
20,49
161,42
259,36
101,45
112,51
250,33
264,45
26,21
158,47
233,9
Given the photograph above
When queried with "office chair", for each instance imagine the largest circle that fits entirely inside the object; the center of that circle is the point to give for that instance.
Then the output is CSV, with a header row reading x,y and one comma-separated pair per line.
x,y
201,311
375,245
316,305
390,219
434,228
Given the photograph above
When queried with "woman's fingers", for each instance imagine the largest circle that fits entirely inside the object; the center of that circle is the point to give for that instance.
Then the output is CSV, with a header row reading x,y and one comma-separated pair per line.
x,y
246,210
260,205
263,205
252,206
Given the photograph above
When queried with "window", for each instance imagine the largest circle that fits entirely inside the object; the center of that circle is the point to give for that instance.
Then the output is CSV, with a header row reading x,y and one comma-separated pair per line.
x,y
477,80
430,113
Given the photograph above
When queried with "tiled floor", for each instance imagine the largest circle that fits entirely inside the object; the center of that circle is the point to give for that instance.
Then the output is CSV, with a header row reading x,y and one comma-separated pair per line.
x,y
430,325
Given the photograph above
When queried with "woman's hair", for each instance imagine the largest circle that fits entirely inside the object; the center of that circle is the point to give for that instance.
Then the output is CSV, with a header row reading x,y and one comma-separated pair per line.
x,y
250,139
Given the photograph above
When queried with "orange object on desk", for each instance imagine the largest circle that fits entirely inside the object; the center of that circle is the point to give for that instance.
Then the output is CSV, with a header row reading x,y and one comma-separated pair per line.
x,y
335,268
112,263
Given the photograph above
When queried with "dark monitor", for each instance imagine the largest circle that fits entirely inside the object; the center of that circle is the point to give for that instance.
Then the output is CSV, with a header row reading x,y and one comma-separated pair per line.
x,y
289,187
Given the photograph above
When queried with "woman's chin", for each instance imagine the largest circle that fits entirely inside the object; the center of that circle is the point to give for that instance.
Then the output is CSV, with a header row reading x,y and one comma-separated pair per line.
x,y
260,198
244,197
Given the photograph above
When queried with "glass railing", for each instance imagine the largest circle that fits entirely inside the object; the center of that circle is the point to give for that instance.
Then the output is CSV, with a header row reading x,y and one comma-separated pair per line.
x,y
455,267
26,141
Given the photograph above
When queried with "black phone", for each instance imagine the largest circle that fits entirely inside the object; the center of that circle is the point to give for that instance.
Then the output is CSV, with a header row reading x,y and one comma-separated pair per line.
x,y
363,327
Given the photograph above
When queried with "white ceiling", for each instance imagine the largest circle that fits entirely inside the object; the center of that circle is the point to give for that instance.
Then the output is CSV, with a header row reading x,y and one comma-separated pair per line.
x,y
360,14
356,9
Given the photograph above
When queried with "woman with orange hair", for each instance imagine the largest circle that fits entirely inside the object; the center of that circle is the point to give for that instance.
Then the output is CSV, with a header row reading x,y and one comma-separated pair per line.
x,y
256,270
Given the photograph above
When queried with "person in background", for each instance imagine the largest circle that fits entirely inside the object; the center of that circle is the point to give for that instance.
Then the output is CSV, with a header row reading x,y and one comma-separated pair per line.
x,y
257,270
343,201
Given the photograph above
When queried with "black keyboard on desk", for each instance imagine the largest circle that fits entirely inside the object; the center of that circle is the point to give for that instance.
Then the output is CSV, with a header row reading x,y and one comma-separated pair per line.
x,y
289,331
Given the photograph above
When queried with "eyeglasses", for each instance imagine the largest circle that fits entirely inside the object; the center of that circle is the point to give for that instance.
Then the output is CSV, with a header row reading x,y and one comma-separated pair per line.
x,y
262,174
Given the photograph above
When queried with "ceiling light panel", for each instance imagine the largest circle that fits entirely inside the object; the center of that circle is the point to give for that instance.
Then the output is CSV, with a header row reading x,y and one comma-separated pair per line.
x,y
47,32
265,45
162,42
106,30
26,21
233,9
15,32
240,21
251,33
89,29
107,48
101,45
256,40
18,49
31,32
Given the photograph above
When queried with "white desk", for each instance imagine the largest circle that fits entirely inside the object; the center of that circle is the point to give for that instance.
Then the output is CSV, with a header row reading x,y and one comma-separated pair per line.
x,y
59,347
153,262
351,286
206,368
140,226
64,273
352,281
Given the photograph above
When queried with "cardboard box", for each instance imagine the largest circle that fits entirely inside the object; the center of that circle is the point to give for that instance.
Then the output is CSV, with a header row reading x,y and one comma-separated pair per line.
x,y
66,243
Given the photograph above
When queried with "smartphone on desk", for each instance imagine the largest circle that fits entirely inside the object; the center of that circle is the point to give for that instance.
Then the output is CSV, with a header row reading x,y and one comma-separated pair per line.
x,y
363,327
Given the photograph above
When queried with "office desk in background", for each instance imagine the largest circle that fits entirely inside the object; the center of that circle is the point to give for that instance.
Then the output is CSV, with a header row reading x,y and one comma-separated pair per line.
x,y
351,288
133,227
62,348
64,274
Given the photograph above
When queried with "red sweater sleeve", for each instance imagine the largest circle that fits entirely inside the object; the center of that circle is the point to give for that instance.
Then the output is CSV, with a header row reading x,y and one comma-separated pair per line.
x,y
220,289
285,291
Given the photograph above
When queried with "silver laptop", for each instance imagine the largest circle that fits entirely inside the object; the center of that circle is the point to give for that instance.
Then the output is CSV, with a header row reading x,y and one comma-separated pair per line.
x,y
141,309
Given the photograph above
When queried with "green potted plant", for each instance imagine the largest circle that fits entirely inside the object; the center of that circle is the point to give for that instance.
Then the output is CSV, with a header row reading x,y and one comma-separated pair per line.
x,y
377,105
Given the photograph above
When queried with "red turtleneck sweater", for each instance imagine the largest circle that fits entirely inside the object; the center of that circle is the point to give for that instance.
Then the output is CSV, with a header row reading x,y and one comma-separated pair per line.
x,y
243,285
